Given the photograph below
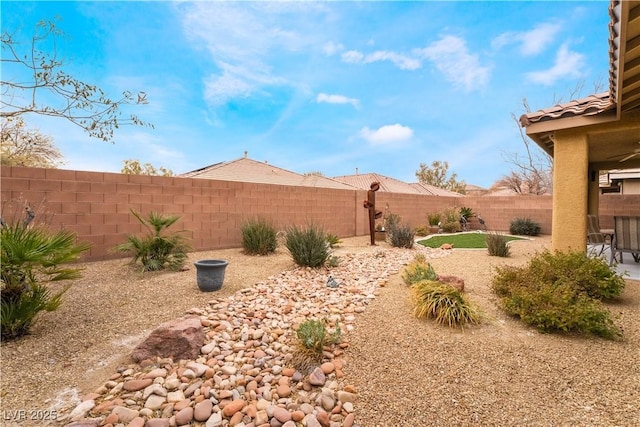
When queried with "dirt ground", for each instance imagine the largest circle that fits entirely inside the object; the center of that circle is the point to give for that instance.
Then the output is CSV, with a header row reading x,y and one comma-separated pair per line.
x,y
408,373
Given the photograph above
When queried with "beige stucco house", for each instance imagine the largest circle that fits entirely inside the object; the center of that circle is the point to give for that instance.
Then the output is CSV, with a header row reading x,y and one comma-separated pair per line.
x,y
599,132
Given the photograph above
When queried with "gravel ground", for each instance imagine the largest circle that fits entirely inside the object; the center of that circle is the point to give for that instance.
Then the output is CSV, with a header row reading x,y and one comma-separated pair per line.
x,y
408,372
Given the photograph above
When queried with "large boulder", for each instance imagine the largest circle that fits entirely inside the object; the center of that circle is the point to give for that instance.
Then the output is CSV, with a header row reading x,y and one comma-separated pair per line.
x,y
181,338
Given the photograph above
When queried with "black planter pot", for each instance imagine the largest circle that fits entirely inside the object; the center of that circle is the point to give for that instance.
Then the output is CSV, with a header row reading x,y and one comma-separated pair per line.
x,y
210,274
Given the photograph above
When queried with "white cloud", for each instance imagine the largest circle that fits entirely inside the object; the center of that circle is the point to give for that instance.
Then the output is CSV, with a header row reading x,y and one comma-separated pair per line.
x,y
337,99
386,134
401,61
331,48
242,39
533,41
567,65
451,57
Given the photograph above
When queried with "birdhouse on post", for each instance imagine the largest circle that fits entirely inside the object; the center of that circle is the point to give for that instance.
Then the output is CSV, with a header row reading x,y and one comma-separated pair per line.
x,y
370,204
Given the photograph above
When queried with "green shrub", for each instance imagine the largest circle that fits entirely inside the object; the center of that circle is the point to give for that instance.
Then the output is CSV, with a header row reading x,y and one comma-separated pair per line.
x,y
333,240
418,270
451,227
334,261
422,231
466,213
443,303
497,245
391,220
157,250
308,246
313,335
591,275
258,237
524,227
31,256
560,292
434,218
402,236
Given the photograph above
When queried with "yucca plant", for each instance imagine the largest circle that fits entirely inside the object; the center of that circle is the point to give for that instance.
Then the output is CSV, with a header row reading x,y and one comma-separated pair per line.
x,y
157,250
259,237
31,256
308,246
442,303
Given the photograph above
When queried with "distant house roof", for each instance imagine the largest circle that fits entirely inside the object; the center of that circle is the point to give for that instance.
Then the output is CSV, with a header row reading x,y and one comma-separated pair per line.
x,y
248,170
391,185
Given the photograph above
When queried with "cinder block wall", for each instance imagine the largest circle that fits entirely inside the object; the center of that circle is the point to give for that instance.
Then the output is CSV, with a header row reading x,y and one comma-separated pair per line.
x,y
97,206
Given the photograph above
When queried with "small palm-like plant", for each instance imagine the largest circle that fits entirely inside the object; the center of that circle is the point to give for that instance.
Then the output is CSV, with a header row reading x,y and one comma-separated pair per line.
x,y
157,250
32,255
443,303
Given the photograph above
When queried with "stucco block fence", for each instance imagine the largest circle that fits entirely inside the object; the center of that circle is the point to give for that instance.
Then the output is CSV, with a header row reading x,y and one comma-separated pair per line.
x,y
96,206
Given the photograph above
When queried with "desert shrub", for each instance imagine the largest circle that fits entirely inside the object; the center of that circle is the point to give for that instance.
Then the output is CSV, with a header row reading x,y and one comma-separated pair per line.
x,y
422,231
31,256
590,275
524,227
308,246
333,240
451,227
258,237
391,220
334,261
158,250
313,335
401,236
560,292
434,218
418,270
497,245
442,303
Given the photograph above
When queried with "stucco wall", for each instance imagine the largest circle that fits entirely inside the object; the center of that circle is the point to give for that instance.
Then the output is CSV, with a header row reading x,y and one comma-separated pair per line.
x,y
97,206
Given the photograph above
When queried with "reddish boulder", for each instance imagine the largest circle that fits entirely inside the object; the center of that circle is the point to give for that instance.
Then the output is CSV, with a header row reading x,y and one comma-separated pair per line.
x,y
454,281
181,338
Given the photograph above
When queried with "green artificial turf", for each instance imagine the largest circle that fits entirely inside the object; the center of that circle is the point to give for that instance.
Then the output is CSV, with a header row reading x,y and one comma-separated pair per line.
x,y
461,240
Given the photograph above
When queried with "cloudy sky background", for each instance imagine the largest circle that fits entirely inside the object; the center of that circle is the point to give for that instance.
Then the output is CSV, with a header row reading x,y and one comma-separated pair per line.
x,y
321,86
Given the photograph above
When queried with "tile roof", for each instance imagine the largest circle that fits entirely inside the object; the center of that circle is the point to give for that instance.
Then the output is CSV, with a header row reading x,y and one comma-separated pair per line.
x,y
391,185
591,105
624,78
248,170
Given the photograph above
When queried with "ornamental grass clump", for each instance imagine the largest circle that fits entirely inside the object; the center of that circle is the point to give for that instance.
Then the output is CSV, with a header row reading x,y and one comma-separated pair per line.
x,y
497,245
308,246
442,303
561,292
259,237
158,250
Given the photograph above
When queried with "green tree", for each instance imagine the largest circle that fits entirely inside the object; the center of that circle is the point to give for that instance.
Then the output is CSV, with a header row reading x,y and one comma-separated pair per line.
x,y
48,90
20,146
133,167
438,176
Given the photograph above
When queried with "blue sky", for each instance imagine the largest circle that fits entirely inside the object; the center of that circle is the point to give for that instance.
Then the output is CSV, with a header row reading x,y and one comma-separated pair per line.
x,y
322,86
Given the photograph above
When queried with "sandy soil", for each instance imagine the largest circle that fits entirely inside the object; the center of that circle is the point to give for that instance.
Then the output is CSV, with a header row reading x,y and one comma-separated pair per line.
x,y
408,373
